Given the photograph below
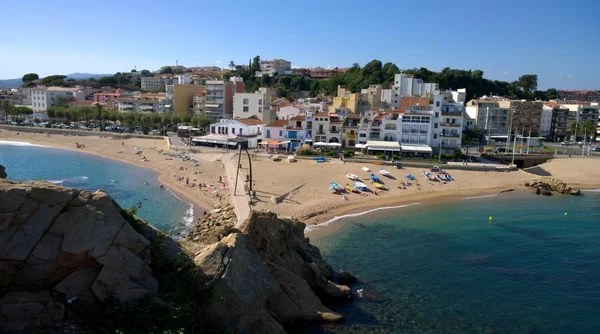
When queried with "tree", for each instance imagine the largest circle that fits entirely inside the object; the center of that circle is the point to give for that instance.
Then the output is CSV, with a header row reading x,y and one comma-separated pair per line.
x,y
588,129
62,101
108,81
99,111
255,64
166,70
552,94
389,71
527,83
54,80
232,65
29,77
146,73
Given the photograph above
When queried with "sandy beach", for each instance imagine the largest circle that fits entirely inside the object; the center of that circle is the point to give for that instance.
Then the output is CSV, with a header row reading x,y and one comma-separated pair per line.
x,y
171,168
304,186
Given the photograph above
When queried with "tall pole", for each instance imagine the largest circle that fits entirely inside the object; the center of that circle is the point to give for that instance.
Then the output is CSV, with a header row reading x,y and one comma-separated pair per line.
x,y
237,173
487,124
576,126
509,131
528,138
583,147
514,147
521,145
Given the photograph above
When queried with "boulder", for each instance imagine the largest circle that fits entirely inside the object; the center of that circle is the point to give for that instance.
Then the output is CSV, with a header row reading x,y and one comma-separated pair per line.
x,y
345,278
2,172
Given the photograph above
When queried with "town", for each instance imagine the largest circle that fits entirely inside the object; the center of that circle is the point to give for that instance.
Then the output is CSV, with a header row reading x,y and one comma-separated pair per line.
x,y
271,105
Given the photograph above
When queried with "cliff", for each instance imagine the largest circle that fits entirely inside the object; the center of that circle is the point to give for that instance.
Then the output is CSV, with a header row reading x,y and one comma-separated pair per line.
x,y
74,259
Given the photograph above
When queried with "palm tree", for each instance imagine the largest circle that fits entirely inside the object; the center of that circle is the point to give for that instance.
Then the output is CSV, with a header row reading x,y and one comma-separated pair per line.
x,y
232,65
587,127
99,110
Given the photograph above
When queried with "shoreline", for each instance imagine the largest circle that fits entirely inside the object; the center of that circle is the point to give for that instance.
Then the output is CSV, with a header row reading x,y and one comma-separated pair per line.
x,y
182,197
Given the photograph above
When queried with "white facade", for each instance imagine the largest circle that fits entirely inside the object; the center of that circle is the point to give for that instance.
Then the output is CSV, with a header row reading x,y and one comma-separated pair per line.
x,y
183,79
257,105
274,66
141,105
152,83
406,85
44,98
326,128
247,129
288,112
546,121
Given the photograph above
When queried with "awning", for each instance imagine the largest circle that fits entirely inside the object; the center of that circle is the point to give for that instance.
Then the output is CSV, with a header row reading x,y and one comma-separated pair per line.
x,y
320,143
211,105
360,145
376,145
167,106
415,148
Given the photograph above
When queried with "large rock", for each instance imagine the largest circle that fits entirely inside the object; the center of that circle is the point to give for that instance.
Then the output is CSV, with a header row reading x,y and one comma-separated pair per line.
x,y
75,243
545,185
2,172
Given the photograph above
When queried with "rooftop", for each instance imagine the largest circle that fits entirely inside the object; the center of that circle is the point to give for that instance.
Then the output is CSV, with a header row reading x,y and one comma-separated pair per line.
x,y
278,124
250,121
298,118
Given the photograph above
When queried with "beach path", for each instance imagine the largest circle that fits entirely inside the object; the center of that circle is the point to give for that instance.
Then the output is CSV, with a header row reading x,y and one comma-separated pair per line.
x,y
238,197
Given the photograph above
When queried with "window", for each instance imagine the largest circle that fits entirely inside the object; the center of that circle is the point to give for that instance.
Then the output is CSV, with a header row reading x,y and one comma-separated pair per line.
x,y
437,103
437,114
233,130
352,132
390,126
245,101
245,108
362,135
260,102
259,109
280,133
435,136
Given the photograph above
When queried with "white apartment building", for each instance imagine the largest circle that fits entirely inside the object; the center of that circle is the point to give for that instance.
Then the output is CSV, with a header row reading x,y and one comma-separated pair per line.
x,y
273,66
258,105
141,105
45,97
152,83
407,85
546,121
326,128
249,129
490,115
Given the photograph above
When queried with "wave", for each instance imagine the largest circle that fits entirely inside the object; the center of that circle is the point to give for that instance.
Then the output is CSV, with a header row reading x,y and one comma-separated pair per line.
x,y
19,143
76,179
481,196
188,217
590,190
336,218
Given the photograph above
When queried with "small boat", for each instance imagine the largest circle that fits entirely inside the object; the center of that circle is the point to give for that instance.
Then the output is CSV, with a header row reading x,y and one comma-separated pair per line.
x,y
384,172
410,177
399,166
449,178
351,176
374,178
361,186
366,169
335,186
351,189
440,178
378,185
426,173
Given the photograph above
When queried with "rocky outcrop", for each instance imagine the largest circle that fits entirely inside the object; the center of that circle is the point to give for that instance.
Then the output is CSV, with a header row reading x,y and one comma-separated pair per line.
x,y
65,244
2,172
268,276
546,185
59,244
214,225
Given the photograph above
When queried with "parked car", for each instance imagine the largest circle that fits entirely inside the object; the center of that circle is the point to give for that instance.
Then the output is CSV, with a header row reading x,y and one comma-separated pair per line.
x,y
596,149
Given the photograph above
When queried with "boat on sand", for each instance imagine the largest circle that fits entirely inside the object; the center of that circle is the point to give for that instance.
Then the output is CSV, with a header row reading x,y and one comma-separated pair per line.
x,y
352,176
351,189
361,186
384,172
335,186
379,185
366,169
374,178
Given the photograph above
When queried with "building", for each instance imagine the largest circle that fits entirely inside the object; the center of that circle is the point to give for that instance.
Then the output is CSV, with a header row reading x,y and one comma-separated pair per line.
x,y
325,74
289,110
257,105
546,121
327,128
579,113
579,95
350,130
369,99
183,98
289,133
142,103
274,66
10,97
451,123
526,116
219,100
560,120
199,102
249,129
345,99
491,116
158,82
43,98
108,98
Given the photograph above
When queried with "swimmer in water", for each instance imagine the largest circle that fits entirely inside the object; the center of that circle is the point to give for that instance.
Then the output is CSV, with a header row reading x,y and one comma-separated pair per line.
x,y
161,186
146,183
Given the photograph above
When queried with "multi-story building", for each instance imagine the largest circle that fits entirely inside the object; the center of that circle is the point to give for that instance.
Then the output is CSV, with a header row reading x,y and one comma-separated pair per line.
x,y
43,98
142,103
579,113
491,116
274,66
199,101
158,82
345,99
26,95
546,120
579,95
108,98
451,123
526,116
10,97
350,130
369,99
249,129
325,74
292,132
183,98
258,105
219,99
326,128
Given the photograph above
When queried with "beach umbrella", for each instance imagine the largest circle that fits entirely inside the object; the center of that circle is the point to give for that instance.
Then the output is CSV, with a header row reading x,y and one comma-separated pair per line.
x,y
335,144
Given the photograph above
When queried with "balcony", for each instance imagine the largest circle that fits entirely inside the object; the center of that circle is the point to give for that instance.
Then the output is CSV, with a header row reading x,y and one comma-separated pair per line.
x,y
451,125
320,132
334,131
450,135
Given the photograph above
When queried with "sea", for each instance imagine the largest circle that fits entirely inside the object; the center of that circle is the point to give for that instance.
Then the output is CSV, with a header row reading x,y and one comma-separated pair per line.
x,y
128,184
506,263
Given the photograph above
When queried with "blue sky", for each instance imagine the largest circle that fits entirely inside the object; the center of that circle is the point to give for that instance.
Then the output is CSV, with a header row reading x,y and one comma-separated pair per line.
x,y
558,40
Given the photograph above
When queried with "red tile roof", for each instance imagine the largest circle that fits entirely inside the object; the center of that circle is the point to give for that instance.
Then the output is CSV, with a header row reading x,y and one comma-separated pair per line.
x,y
250,121
278,124
298,118
322,114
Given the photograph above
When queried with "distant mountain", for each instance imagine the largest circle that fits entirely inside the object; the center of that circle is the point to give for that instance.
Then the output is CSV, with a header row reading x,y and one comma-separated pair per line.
x,y
10,83
14,83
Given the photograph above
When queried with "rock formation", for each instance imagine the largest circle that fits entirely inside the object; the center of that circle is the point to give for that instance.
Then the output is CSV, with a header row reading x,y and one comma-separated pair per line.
x,y
59,244
546,185
64,242
2,172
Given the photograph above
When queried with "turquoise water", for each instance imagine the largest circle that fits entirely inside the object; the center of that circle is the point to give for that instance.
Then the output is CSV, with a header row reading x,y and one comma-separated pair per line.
x,y
124,182
444,268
